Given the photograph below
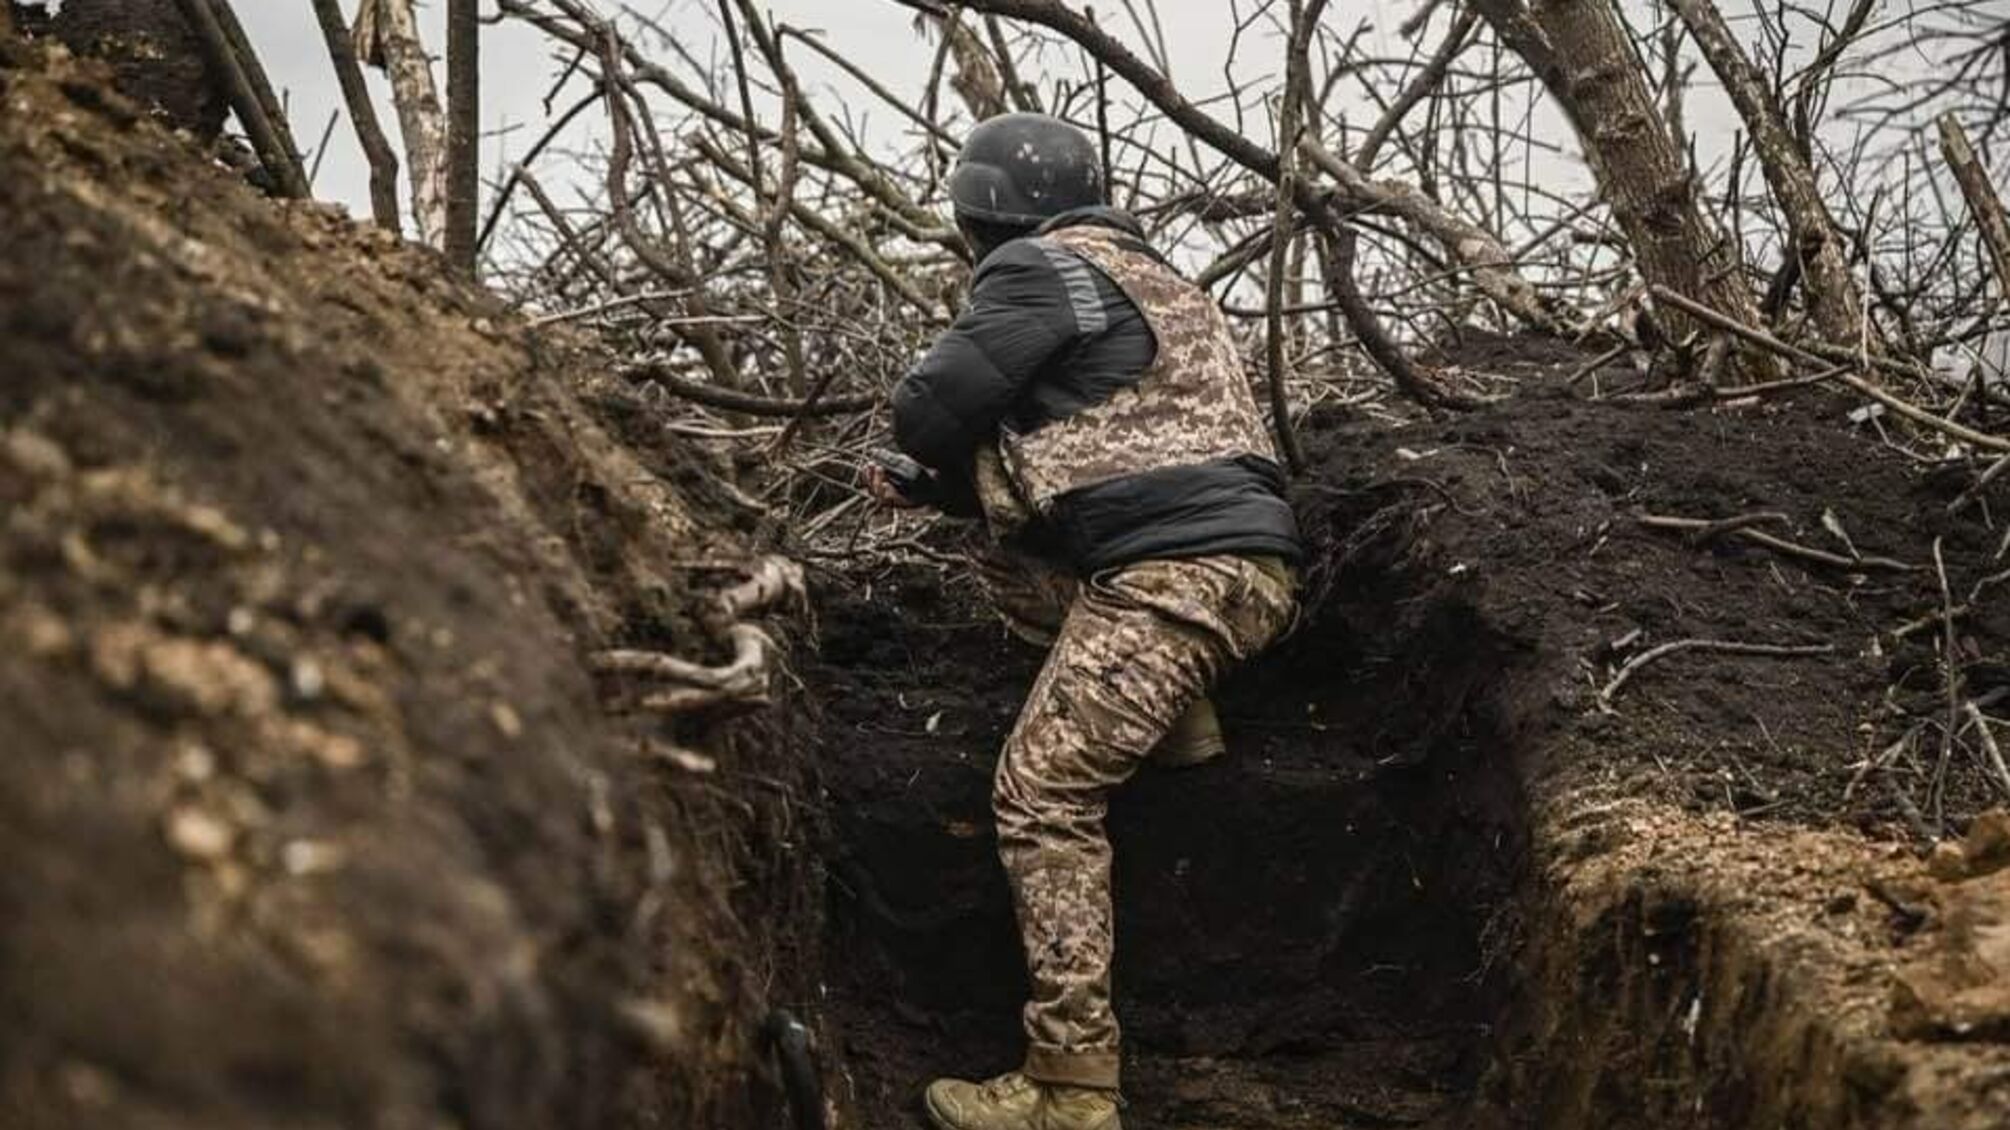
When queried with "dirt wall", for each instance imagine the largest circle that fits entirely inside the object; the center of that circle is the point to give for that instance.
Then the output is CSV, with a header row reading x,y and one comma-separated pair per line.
x,y
311,809
1434,854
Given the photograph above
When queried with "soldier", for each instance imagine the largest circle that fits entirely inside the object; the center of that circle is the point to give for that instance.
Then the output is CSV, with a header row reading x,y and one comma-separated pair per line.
x,y
1090,404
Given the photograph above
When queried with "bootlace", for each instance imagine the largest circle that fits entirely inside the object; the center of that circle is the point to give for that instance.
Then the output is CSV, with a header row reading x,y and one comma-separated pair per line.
x,y
1005,1086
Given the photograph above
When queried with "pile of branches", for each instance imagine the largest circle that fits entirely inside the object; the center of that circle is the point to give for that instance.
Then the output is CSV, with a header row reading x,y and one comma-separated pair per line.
x,y
763,261
768,270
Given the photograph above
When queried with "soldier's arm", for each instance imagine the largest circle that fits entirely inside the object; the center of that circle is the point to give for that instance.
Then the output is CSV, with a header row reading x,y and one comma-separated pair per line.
x,y
953,400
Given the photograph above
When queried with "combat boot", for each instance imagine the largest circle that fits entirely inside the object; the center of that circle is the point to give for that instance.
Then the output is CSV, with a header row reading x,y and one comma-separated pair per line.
x,y
1014,1102
1195,738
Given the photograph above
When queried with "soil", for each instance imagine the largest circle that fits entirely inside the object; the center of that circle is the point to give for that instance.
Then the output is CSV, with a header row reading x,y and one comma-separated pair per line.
x,y
314,814
155,58
1330,927
311,811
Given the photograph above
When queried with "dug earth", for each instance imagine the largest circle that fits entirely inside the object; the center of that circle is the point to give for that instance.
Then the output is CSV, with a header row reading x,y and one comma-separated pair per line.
x,y
317,812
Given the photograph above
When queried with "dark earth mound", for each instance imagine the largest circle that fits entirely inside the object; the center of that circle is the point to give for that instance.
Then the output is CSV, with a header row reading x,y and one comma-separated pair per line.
x,y
156,60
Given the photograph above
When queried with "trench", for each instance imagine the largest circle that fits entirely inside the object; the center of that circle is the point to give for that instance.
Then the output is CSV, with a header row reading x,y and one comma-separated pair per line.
x,y
1430,885
1341,925
1314,931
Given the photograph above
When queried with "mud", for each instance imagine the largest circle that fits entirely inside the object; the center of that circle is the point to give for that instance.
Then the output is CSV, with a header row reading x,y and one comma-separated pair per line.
x,y
1312,893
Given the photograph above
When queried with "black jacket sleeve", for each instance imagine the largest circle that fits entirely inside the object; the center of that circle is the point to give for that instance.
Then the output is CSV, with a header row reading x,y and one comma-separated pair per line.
x,y
1019,319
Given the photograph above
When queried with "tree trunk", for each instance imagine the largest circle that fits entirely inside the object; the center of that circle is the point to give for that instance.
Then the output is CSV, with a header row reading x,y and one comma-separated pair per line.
x,y
1831,290
387,36
1983,203
1583,55
463,133
377,151
229,56
976,79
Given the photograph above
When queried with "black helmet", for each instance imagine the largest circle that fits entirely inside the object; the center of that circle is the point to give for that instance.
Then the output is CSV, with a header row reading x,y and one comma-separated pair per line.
x,y
1022,169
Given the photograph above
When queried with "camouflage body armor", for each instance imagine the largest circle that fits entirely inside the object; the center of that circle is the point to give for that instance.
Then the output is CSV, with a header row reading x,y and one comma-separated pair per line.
x,y
1191,405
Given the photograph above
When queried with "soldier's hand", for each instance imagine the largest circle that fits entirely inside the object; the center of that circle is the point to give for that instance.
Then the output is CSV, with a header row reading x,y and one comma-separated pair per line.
x,y
880,485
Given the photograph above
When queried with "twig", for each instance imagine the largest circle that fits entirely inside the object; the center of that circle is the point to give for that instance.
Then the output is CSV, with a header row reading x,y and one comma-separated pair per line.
x,y
604,307
516,171
1289,117
1983,203
1733,647
1951,670
1933,619
715,397
1596,363
1981,484
1427,80
1768,342
261,86
1704,531
377,151
1990,750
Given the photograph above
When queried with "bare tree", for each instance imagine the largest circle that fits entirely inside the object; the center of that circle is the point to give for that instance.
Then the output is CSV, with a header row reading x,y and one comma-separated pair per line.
x,y
227,53
1983,202
463,133
1830,288
1582,53
377,151
751,251
387,36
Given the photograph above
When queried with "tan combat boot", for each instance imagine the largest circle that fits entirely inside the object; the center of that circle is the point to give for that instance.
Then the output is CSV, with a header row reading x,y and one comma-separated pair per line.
x,y
1195,738
1014,1102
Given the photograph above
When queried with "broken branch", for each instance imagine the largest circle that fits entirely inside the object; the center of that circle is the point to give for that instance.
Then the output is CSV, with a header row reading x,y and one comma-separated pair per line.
x,y
1731,647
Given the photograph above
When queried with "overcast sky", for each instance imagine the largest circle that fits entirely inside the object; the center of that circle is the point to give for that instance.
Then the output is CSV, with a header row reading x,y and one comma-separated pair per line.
x,y
518,67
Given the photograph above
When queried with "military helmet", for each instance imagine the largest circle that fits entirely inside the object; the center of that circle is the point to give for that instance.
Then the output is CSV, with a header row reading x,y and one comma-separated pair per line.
x,y
1024,168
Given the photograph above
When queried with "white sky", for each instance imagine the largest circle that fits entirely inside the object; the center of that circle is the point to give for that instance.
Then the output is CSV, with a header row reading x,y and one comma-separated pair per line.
x,y
518,65
878,35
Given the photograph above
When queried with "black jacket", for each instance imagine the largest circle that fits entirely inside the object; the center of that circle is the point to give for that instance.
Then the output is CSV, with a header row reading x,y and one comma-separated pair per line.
x,y
1044,336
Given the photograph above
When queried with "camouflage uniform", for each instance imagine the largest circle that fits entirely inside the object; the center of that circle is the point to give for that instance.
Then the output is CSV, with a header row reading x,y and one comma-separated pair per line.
x,y
1139,645
1132,648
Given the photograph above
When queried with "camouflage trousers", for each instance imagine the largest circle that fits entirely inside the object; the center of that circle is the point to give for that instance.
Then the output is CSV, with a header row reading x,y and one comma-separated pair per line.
x,y
1135,648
